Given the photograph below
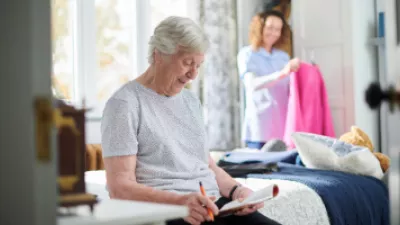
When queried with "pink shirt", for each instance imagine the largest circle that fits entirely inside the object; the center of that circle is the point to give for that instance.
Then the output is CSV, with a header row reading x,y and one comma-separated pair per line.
x,y
308,106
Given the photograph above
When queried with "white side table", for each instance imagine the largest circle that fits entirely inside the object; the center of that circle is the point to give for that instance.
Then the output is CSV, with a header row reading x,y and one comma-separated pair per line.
x,y
122,212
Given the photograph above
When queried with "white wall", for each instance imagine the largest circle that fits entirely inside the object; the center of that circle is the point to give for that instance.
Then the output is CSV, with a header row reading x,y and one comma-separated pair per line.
x,y
393,71
393,119
93,135
365,65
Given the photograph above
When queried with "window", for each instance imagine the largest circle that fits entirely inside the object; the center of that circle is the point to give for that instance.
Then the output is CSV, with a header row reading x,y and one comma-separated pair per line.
x,y
100,45
62,33
114,48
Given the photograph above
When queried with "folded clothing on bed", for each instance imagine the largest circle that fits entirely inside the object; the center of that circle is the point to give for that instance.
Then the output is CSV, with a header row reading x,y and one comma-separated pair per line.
x,y
348,198
239,157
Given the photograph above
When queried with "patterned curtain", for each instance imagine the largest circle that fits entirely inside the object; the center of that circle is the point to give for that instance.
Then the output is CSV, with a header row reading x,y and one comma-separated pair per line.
x,y
219,88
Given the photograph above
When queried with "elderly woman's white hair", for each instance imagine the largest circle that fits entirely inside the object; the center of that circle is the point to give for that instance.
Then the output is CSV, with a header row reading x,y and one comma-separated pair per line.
x,y
174,32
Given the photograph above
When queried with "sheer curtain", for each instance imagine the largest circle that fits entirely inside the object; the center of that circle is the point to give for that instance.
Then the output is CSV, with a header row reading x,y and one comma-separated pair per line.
x,y
218,85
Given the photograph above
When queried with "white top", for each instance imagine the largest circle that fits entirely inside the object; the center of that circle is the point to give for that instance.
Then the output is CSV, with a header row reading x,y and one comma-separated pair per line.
x,y
122,212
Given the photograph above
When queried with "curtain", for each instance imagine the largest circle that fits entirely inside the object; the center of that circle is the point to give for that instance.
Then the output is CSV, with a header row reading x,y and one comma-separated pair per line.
x,y
218,87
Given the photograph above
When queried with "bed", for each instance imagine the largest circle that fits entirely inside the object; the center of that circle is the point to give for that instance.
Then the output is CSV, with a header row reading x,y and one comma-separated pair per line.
x,y
348,199
307,196
296,204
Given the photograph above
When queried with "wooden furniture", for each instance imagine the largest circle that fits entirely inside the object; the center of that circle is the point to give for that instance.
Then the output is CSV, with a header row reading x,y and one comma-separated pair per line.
x,y
94,157
122,212
70,124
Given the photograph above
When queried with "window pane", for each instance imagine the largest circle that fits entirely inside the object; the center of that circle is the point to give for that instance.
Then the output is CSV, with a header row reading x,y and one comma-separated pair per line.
x,y
114,44
160,9
62,49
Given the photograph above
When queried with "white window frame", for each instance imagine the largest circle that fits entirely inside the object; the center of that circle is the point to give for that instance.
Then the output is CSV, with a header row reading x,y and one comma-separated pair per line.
x,y
84,49
84,52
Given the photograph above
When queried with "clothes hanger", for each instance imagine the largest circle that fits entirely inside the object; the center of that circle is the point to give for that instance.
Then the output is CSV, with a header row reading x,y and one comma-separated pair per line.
x,y
312,58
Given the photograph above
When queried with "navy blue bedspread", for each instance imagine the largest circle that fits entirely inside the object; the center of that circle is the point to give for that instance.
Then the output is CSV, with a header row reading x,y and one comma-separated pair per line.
x,y
349,199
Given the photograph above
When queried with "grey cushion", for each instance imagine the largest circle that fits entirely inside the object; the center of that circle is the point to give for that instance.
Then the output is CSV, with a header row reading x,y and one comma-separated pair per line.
x,y
274,145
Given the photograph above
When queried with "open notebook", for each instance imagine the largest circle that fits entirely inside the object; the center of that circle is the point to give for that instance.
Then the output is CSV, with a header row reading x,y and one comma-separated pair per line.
x,y
256,197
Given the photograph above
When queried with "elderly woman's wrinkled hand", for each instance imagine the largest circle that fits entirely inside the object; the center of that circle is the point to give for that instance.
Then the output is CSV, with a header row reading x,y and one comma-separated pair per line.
x,y
241,194
198,205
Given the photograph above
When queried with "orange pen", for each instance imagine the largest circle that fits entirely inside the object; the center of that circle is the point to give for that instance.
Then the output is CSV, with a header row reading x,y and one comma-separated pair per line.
x,y
203,192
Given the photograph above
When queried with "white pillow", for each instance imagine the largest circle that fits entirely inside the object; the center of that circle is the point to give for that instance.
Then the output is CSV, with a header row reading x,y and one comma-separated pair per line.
x,y
326,153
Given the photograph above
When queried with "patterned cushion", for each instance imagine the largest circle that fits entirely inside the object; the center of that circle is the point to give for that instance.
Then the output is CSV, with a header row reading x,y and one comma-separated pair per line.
x,y
339,147
321,152
342,148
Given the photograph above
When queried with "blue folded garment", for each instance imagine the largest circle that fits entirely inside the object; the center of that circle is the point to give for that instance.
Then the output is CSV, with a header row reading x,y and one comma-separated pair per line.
x,y
261,157
298,161
348,198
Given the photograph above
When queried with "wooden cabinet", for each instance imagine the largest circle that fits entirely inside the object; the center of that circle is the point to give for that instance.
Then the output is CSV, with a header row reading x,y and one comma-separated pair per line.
x,y
70,124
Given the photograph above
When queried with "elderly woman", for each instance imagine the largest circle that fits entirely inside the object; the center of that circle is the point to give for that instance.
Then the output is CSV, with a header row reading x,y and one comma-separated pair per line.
x,y
153,135
264,70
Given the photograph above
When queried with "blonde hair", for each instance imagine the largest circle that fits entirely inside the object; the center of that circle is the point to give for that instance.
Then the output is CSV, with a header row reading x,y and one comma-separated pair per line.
x,y
174,32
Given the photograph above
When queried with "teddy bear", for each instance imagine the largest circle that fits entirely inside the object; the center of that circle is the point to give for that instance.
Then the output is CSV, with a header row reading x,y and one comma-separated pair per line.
x,y
358,137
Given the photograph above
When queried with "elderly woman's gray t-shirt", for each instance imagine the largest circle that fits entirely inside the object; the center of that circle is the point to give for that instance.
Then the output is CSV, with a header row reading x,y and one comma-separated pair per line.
x,y
165,133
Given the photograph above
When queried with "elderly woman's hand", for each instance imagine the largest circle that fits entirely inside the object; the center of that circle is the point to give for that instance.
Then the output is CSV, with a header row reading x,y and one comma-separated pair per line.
x,y
241,193
198,205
